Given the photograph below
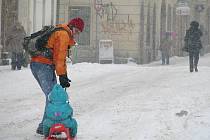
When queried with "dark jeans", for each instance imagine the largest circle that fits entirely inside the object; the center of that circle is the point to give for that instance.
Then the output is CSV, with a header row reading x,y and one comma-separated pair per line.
x,y
17,59
45,76
193,59
165,57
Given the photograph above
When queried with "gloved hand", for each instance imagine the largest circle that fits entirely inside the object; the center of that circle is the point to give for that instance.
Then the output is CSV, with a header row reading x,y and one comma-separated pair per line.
x,y
64,81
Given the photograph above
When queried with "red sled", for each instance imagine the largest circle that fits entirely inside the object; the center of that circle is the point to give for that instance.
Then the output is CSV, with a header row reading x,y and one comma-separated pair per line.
x,y
59,129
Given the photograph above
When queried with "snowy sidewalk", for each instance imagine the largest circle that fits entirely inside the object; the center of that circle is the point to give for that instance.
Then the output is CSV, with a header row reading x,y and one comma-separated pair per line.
x,y
116,102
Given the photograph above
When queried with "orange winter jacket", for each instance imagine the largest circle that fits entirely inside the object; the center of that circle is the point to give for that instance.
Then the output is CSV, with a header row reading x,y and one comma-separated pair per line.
x,y
59,42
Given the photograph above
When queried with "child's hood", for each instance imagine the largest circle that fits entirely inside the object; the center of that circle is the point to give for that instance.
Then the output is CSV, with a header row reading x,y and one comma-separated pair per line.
x,y
58,95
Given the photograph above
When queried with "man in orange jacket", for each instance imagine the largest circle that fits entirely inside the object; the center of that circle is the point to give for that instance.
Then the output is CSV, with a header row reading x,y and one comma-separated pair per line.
x,y
44,67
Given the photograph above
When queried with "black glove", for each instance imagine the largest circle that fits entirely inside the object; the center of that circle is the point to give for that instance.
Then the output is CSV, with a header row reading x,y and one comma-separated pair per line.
x,y
64,81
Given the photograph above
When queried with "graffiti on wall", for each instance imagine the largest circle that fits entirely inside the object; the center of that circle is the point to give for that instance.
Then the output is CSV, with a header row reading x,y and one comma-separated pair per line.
x,y
112,22
117,26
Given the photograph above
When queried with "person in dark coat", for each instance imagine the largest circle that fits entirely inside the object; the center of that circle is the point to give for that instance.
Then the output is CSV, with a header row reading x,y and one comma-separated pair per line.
x,y
14,43
193,45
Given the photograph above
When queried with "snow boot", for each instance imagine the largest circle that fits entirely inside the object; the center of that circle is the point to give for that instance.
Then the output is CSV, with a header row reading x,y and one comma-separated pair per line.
x,y
196,68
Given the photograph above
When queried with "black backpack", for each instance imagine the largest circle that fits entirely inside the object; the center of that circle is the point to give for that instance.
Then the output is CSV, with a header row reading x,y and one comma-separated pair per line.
x,y
35,44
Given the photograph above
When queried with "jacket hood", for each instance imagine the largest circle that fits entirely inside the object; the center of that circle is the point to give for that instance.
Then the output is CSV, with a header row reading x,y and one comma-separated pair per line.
x,y
58,95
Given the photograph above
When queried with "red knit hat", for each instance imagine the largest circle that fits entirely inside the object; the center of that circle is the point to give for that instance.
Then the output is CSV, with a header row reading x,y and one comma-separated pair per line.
x,y
78,23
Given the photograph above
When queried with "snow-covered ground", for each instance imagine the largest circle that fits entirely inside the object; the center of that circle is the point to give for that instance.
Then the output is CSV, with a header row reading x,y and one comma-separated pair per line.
x,y
116,102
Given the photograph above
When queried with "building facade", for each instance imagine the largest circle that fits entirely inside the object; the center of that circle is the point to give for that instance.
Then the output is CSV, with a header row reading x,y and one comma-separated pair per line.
x,y
31,14
135,27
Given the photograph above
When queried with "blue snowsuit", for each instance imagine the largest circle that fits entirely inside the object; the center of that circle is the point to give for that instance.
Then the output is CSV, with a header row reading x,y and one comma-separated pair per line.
x,y
59,110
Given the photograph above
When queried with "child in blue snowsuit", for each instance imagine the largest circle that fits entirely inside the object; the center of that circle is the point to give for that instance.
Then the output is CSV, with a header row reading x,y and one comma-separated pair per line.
x,y
59,111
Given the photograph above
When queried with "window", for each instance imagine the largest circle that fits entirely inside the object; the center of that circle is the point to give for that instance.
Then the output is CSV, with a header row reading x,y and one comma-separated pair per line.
x,y
84,13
